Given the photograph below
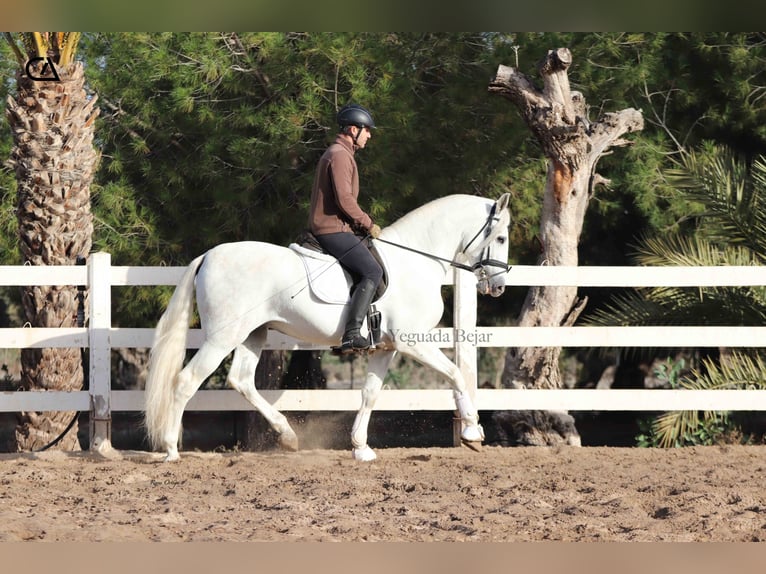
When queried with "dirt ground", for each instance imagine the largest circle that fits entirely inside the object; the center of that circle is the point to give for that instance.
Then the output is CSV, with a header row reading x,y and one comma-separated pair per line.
x,y
408,494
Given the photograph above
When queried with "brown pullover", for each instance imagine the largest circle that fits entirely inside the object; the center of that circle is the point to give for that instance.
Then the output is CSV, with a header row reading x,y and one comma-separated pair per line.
x,y
334,206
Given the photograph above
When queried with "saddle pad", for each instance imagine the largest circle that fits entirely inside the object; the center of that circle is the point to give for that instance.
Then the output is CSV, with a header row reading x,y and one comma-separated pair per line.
x,y
327,279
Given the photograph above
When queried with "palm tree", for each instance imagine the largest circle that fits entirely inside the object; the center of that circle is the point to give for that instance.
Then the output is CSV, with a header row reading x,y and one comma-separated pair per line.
x,y
730,230
52,122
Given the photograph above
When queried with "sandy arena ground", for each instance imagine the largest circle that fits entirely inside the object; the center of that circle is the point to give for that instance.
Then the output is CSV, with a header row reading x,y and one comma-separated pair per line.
x,y
408,494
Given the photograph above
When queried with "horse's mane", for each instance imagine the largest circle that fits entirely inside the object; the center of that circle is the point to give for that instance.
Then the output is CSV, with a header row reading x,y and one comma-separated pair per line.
x,y
433,214
423,212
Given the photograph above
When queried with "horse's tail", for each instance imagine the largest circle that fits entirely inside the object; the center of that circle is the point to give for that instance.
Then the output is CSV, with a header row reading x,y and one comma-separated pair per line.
x,y
167,357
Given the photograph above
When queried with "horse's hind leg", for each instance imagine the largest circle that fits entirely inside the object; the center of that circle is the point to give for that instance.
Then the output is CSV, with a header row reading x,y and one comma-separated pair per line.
x,y
242,378
191,377
376,372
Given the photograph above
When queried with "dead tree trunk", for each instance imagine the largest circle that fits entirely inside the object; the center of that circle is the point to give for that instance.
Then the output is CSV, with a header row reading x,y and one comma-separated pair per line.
x,y
573,146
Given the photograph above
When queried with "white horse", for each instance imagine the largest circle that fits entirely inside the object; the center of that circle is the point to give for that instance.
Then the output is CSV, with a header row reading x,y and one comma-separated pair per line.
x,y
245,288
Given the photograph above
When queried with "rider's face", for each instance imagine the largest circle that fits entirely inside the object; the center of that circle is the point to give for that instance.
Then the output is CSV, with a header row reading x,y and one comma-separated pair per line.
x,y
364,135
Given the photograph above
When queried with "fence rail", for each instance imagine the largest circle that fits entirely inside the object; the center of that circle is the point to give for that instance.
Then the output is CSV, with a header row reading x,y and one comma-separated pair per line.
x,y
465,337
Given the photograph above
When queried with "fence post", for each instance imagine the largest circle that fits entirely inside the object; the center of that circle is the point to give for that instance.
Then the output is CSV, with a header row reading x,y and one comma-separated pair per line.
x,y
464,323
100,309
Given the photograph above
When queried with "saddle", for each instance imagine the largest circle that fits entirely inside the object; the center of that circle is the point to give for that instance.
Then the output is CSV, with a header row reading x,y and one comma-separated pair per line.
x,y
331,283
324,273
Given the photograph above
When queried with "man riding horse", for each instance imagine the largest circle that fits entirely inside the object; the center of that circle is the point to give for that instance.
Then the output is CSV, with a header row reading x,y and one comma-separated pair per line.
x,y
244,289
337,220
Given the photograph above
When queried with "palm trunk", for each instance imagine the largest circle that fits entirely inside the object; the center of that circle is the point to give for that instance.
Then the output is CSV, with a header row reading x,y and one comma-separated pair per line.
x,y
54,159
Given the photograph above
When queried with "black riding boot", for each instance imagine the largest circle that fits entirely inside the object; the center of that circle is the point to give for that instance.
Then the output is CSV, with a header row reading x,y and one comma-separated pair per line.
x,y
360,303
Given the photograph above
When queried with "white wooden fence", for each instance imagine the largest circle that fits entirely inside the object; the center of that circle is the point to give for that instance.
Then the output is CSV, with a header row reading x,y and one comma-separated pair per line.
x,y
465,337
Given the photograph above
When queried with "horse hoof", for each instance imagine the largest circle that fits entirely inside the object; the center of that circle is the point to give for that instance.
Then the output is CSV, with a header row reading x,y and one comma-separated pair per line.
x,y
574,440
172,457
288,440
473,433
474,445
365,454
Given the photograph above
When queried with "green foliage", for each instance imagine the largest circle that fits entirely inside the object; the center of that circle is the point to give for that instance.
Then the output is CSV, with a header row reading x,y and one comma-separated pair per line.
x,y
692,88
212,137
729,230
220,134
62,46
670,372
684,428
676,430
9,252
739,370
9,249
725,75
732,190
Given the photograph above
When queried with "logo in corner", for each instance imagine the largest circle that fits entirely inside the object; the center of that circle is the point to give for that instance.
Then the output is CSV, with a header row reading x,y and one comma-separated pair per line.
x,y
48,72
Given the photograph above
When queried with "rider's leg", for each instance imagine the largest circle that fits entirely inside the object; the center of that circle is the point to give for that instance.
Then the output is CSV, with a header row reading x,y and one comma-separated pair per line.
x,y
353,255
357,311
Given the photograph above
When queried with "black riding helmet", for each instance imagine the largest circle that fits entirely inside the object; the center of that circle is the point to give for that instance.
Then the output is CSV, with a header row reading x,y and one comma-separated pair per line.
x,y
355,115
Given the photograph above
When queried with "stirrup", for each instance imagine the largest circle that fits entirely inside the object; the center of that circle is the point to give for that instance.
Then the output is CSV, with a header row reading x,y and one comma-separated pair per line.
x,y
353,344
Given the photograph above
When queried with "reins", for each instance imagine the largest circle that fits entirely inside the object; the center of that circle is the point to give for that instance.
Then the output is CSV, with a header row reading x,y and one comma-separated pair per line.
x,y
484,262
432,256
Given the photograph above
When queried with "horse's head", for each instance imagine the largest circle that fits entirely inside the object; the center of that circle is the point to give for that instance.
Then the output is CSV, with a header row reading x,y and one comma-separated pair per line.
x,y
487,251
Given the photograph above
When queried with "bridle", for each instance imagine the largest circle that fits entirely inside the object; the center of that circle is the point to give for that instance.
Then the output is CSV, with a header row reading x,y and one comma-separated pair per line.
x,y
484,261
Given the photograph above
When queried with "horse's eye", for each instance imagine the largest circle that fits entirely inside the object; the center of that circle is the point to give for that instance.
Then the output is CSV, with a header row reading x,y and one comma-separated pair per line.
x,y
501,240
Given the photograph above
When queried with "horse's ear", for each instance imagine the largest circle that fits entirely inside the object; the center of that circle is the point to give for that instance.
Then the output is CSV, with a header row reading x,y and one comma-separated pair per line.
x,y
503,202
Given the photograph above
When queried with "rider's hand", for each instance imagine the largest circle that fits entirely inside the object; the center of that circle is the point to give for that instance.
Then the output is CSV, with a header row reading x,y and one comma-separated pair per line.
x,y
375,231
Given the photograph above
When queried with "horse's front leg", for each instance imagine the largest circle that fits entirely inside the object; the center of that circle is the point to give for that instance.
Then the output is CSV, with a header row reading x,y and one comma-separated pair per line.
x,y
376,372
431,356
